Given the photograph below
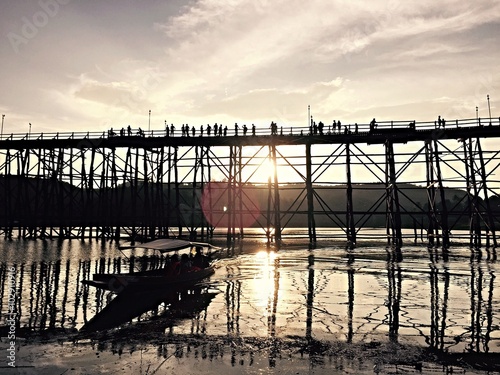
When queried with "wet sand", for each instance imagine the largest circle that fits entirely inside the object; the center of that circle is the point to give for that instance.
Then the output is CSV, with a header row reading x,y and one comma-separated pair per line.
x,y
201,355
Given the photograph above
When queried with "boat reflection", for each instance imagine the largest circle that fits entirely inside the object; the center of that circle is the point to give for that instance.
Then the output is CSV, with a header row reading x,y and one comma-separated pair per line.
x,y
164,308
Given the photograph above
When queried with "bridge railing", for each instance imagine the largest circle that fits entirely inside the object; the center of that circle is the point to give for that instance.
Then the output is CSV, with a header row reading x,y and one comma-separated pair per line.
x,y
329,129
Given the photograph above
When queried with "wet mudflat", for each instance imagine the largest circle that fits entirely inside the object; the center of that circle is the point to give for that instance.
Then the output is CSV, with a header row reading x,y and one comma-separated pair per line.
x,y
321,311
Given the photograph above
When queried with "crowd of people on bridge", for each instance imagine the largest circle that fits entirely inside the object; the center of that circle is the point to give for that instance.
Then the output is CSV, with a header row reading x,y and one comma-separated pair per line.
x,y
315,128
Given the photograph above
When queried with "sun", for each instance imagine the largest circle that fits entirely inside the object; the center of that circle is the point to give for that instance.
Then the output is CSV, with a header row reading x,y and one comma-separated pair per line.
x,y
261,171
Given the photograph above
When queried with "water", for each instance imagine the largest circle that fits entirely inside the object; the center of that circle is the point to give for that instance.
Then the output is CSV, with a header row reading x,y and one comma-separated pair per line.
x,y
325,310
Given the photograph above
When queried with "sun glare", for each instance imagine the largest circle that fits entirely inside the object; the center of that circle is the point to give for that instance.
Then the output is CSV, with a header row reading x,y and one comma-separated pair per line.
x,y
264,172
266,282
267,257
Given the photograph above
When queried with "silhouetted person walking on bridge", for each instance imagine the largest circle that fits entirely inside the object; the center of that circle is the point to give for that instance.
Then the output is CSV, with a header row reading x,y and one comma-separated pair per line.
x,y
441,122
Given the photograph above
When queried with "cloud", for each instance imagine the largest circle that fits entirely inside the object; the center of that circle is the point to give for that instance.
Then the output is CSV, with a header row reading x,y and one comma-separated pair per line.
x,y
245,46
270,104
247,33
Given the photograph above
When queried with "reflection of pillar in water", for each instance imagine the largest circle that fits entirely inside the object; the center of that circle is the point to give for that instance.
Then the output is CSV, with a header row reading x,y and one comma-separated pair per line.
x,y
476,285
33,283
272,309
433,275
44,293
233,294
65,294
272,304
41,302
54,291
480,336
80,276
85,292
489,312
438,313
394,277
444,309
19,295
350,278
3,273
310,295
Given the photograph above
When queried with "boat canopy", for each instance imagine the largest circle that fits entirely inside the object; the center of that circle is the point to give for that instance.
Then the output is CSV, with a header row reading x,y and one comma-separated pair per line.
x,y
165,245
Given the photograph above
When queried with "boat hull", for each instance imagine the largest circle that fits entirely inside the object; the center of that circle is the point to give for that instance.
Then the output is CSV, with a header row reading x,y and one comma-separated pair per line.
x,y
153,279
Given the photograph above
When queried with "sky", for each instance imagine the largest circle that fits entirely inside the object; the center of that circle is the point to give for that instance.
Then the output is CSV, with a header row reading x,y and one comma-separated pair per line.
x,y
88,65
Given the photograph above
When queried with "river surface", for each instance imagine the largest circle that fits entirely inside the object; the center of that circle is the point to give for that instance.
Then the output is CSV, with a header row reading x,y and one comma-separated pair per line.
x,y
325,310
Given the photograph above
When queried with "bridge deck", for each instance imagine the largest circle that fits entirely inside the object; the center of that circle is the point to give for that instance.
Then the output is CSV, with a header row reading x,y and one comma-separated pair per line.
x,y
156,138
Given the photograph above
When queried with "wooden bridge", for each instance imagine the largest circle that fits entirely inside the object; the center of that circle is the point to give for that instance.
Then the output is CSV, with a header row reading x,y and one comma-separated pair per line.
x,y
164,183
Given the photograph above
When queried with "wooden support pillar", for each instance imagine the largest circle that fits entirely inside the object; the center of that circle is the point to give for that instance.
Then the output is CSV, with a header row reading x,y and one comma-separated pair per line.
x,y
44,191
277,210
177,193
209,221
169,192
350,228
431,193
468,189
126,184
311,222
24,190
8,203
146,186
90,192
103,198
475,227
486,199
71,205
135,189
392,198
192,231
444,207
200,196
22,193
115,197
160,207
240,191
269,203
230,195
83,184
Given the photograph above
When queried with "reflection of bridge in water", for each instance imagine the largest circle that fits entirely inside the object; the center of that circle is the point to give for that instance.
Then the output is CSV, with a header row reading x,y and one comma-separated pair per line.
x,y
462,329
148,185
